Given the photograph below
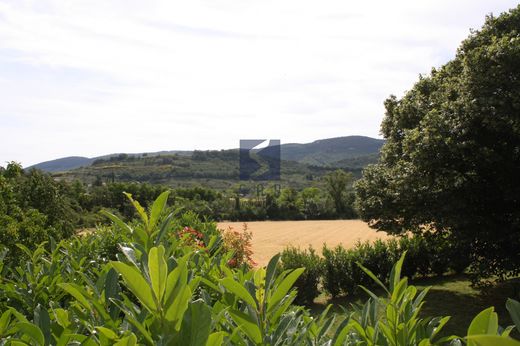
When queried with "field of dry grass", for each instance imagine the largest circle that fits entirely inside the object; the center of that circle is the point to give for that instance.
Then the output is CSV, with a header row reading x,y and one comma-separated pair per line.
x,y
271,237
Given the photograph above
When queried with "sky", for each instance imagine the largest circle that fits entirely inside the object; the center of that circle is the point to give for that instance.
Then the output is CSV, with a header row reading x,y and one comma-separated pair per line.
x,y
88,78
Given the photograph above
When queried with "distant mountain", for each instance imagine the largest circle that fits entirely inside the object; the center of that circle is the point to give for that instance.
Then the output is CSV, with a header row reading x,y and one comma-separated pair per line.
x,y
348,152
64,164
72,162
337,151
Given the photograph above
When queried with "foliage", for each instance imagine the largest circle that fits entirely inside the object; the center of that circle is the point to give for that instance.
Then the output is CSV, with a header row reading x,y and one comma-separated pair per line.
x,y
337,183
164,289
425,256
307,283
32,210
451,160
239,244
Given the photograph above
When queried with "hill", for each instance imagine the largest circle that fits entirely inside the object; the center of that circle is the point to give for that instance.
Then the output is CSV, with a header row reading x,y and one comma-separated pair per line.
x,y
330,152
349,152
216,169
72,162
63,164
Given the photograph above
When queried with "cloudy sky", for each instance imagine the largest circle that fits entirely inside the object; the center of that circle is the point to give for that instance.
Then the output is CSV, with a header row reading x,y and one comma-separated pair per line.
x,y
95,77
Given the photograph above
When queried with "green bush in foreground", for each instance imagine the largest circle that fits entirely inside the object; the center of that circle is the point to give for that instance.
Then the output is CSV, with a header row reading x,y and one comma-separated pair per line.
x,y
162,288
307,283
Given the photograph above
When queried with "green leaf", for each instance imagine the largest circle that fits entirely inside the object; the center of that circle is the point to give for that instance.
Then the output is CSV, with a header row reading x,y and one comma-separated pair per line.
x,y
163,229
196,324
247,325
271,271
130,340
513,307
75,291
439,327
157,209
136,284
176,310
216,339
239,291
140,210
62,317
281,290
107,333
117,221
43,321
31,331
395,274
491,340
373,277
158,271
4,321
486,322
342,332
176,279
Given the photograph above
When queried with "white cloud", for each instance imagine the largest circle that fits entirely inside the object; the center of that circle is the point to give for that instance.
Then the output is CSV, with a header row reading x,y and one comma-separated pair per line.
x,y
79,78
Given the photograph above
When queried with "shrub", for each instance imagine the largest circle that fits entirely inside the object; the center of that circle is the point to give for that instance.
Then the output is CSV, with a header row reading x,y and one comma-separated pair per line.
x,y
159,291
417,260
239,243
337,275
375,256
307,283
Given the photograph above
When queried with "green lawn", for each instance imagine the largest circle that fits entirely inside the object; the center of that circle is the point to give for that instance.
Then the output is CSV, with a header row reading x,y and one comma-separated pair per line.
x,y
450,296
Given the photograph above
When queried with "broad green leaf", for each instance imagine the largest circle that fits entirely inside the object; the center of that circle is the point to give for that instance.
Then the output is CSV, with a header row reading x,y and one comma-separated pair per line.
x,y
486,322
248,326
176,278
157,209
4,321
43,321
271,271
239,291
62,317
439,327
491,340
31,331
136,284
175,312
130,340
342,332
216,339
75,291
399,290
281,290
117,221
140,210
164,228
513,307
107,333
196,324
158,271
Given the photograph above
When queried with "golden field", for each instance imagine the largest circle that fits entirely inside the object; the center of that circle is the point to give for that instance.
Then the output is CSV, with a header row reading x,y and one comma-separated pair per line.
x,y
271,237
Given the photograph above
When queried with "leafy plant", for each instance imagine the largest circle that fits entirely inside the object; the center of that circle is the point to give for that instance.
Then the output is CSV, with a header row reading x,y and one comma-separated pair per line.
x,y
307,283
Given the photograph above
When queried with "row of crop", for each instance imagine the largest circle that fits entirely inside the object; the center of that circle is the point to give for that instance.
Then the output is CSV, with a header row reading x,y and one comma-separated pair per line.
x,y
337,271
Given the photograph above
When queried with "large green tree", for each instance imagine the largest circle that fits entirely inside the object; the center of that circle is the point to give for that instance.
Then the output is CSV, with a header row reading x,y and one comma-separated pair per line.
x,y
451,161
337,184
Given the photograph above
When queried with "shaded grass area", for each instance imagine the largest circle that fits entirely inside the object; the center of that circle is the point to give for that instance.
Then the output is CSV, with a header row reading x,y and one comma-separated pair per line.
x,y
449,296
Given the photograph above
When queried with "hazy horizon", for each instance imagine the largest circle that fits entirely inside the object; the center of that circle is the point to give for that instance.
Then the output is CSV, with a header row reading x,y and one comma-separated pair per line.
x,y
133,77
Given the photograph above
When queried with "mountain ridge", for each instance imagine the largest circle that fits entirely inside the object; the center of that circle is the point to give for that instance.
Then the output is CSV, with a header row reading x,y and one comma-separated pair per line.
x,y
336,151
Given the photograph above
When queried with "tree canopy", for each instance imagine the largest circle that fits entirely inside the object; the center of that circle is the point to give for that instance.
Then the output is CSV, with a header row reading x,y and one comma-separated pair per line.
x,y
451,161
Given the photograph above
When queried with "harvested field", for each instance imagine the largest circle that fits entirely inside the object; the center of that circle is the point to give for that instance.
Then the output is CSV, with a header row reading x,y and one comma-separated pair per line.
x,y
271,237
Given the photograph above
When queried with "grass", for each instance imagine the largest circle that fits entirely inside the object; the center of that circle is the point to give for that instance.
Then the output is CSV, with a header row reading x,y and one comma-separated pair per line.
x,y
449,296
